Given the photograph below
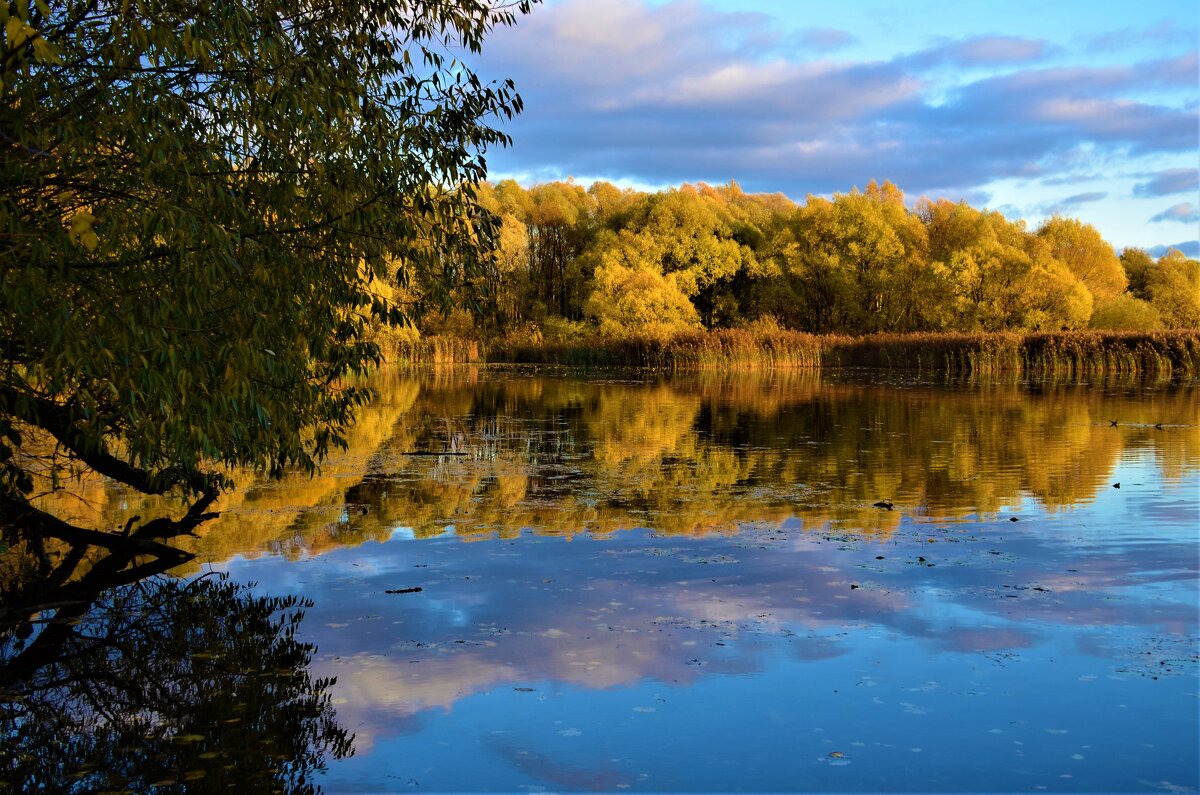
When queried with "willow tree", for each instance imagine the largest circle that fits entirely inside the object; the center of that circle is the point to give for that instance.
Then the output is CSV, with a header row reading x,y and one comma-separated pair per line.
x,y
198,202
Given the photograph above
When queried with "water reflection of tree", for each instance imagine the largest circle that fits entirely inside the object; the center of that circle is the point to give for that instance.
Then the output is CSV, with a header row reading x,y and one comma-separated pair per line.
x,y
692,454
158,684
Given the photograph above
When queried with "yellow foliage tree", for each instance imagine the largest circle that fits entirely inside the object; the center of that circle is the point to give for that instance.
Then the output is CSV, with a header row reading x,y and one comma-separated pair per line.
x,y
1173,288
1088,255
631,297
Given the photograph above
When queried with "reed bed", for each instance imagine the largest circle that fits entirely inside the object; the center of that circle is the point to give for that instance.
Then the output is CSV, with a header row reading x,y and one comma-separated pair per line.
x,y
1175,352
430,350
1068,354
925,352
725,349
1071,354
742,349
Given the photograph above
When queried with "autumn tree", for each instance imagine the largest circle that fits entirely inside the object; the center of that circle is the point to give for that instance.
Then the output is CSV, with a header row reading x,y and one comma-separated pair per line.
x,y
631,296
1162,292
1089,256
559,226
691,234
1137,264
609,203
1172,287
982,264
998,277
1126,313
509,278
1053,298
199,201
862,263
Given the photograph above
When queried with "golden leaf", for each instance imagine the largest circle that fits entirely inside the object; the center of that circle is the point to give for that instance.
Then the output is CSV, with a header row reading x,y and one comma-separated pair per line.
x,y
81,231
18,32
45,52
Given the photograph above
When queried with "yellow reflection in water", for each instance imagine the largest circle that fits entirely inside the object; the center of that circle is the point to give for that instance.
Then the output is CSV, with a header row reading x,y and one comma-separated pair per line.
x,y
688,455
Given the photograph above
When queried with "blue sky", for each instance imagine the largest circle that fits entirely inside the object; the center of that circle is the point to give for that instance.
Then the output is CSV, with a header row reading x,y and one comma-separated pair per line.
x,y
1030,108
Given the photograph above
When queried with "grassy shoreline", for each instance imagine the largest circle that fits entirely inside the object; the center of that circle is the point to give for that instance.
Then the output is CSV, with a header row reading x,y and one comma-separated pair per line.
x,y
1071,353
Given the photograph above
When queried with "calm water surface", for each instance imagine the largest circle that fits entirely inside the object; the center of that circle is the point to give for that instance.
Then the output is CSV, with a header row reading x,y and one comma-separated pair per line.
x,y
685,584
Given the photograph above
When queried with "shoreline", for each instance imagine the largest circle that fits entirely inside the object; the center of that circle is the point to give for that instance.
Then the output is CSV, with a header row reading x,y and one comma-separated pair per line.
x,y
1163,353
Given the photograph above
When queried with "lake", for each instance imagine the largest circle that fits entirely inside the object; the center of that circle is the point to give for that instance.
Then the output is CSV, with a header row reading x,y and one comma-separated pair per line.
x,y
542,580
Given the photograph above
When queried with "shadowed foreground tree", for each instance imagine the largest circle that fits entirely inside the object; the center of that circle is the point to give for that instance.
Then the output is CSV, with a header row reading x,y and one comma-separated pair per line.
x,y
163,686
198,203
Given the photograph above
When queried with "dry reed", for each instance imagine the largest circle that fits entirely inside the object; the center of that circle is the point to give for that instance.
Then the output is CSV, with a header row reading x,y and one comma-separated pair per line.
x,y
430,350
1071,354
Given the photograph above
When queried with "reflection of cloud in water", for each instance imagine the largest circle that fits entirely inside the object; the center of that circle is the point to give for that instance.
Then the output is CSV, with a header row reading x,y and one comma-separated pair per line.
x,y
591,616
541,767
764,548
815,648
386,694
983,639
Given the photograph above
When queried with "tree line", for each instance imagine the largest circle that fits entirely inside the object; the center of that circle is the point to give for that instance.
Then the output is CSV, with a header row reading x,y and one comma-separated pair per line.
x,y
569,261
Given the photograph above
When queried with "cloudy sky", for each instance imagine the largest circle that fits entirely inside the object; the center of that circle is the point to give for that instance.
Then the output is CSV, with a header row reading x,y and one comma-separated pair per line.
x,y
1031,107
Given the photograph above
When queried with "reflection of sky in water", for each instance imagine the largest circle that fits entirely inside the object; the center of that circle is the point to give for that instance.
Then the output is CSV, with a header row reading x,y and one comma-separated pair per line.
x,y
1055,652
824,645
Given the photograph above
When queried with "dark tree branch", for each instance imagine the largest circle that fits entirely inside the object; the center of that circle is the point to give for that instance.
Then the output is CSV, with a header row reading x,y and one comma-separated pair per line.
x,y
19,514
59,421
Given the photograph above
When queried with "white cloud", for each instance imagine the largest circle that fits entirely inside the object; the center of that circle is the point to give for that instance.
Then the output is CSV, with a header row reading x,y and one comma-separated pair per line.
x,y
1184,212
675,92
